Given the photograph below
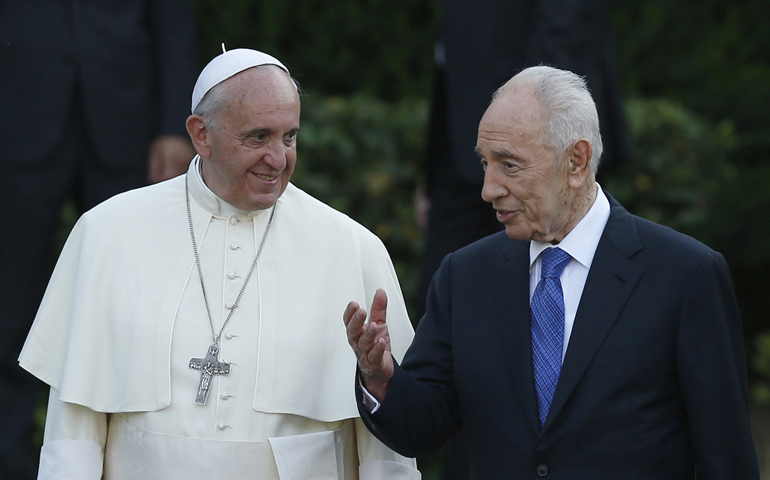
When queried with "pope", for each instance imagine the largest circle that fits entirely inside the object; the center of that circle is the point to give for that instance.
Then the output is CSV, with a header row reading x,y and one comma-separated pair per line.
x,y
189,329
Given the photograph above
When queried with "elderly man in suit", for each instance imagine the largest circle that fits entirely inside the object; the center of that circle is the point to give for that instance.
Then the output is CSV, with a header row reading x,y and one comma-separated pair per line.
x,y
581,343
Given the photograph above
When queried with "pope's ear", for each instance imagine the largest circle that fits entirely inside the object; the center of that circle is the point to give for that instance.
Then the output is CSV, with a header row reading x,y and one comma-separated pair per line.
x,y
199,135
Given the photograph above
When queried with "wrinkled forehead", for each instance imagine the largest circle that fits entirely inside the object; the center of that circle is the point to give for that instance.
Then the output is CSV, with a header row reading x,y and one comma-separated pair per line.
x,y
515,107
262,96
263,87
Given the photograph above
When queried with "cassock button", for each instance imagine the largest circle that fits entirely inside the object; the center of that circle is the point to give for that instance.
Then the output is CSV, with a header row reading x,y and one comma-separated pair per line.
x,y
221,426
225,396
233,246
233,220
231,275
230,335
230,305
542,470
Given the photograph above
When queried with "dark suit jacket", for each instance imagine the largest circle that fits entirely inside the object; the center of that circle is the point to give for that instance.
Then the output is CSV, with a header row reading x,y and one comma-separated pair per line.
x,y
130,64
653,384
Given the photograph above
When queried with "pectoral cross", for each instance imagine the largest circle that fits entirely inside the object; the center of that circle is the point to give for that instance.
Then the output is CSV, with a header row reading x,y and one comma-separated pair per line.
x,y
209,367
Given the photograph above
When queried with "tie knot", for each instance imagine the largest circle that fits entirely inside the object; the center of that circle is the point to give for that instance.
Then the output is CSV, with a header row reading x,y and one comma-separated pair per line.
x,y
554,261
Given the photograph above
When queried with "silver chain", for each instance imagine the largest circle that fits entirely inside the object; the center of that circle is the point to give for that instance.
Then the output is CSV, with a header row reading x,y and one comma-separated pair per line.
x,y
215,335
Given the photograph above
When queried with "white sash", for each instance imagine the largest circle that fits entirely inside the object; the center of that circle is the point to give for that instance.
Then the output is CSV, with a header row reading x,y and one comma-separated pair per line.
x,y
134,454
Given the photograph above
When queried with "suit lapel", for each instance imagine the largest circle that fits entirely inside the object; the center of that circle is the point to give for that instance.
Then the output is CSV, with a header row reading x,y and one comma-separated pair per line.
x,y
512,317
610,281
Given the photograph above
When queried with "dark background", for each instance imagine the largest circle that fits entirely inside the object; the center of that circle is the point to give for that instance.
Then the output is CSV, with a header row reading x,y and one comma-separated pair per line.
x,y
695,78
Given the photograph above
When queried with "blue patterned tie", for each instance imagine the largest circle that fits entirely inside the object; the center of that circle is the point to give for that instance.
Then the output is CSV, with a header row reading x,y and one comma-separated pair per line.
x,y
548,327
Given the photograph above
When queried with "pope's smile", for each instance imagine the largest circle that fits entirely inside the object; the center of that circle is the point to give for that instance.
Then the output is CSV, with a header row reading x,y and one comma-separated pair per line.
x,y
268,178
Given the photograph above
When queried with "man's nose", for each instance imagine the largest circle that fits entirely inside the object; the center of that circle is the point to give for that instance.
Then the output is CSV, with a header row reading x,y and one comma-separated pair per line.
x,y
492,188
276,155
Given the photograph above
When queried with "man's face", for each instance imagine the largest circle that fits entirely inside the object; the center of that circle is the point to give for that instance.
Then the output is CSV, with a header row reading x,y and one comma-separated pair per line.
x,y
522,179
252,154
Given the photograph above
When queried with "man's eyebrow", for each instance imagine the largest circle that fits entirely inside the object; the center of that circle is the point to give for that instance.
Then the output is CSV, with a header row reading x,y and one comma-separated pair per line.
x,y
256,131
506,154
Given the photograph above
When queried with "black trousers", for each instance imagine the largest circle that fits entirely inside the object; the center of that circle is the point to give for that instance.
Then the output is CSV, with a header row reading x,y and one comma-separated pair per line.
x,y
32,193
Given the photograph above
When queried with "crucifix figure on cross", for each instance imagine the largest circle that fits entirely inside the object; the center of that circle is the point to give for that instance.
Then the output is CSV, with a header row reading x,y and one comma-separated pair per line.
x,y
209,367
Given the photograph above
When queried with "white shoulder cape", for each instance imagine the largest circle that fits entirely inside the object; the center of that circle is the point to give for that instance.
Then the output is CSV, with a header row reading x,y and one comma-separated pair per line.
x,y
102,336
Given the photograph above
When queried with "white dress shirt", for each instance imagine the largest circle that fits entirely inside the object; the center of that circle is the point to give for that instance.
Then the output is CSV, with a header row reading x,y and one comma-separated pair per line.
x,y
581,245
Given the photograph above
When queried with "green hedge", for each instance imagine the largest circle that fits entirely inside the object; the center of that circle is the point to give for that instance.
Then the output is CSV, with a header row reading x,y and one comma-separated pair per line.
x,y
377,47
363,156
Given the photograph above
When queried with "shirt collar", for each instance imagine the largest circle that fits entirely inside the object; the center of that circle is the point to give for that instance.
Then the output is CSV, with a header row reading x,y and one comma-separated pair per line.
x,y
203,196
582,241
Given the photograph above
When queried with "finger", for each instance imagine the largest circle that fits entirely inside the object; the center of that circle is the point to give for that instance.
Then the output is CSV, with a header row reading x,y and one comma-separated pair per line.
x,y
379,306
366,341
383,333
376,354
356,322
379,346
355,326
350,310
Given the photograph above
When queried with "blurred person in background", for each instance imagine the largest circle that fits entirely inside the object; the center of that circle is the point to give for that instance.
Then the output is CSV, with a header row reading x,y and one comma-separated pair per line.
x,y
94,96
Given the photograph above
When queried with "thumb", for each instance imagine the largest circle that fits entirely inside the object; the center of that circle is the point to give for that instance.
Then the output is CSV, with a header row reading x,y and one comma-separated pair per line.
x,y
379,306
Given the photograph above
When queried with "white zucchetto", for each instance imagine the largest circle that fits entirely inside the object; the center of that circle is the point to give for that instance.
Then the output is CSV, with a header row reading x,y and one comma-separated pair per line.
x,y
225,66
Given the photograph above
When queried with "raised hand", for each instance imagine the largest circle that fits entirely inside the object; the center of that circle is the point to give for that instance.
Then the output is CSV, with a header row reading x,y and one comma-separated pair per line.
x,y
371,342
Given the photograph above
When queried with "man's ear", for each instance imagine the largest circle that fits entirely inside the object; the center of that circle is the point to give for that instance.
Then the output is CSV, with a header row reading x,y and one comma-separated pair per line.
x,y
199,135
579,163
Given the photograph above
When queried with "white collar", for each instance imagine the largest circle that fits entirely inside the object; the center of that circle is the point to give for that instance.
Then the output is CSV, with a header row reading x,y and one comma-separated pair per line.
x,y
582,241
210,201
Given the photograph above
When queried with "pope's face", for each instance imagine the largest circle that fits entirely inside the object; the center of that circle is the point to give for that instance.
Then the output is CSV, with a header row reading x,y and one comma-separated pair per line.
x,y
522,179
252,154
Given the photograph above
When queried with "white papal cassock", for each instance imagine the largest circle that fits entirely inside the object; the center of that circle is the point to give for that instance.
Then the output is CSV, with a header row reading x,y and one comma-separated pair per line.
x,y
124,314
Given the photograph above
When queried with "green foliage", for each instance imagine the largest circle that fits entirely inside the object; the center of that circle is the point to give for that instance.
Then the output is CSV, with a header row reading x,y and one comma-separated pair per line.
x,y
348,46
362,156
760,390
679,167
712,54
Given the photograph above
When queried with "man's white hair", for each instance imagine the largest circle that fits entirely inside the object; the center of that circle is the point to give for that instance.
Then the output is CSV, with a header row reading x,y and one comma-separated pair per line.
x,y
567,108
